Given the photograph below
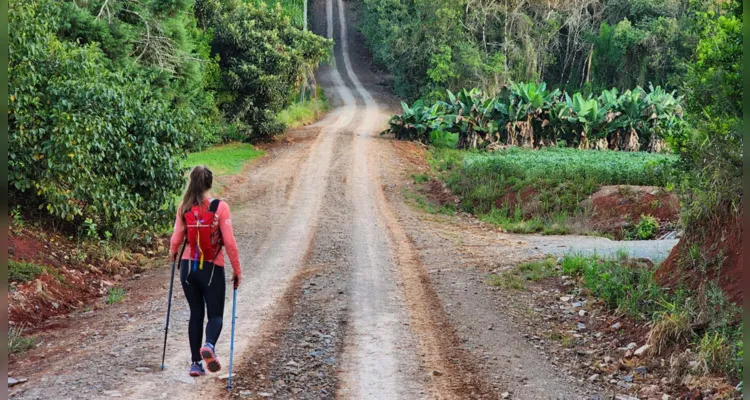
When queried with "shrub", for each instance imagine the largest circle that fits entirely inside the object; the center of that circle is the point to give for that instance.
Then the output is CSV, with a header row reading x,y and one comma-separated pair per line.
x,y
645,229
263,58
86,141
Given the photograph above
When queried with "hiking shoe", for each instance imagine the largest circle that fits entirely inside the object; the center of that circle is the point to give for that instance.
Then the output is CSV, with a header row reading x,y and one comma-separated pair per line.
x,y
196,369
209,356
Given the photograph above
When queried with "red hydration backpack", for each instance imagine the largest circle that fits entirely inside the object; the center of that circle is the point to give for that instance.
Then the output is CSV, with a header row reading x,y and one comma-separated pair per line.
x,y
203,233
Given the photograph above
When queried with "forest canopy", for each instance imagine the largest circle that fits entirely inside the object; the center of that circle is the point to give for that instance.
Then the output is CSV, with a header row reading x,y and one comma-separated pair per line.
x,y
579,44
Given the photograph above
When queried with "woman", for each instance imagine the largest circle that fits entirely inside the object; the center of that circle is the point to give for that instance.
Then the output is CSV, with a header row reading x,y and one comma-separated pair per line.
x,y
198,266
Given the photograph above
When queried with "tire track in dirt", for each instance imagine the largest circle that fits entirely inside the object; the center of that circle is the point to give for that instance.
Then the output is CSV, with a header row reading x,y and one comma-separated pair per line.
x,y
375,368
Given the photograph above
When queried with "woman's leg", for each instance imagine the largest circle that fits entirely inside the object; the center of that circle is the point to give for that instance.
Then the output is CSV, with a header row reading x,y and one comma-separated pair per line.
x,y
194,295
214,297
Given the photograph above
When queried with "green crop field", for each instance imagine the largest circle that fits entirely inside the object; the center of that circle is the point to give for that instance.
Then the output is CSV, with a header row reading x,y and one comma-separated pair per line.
x,y
558,178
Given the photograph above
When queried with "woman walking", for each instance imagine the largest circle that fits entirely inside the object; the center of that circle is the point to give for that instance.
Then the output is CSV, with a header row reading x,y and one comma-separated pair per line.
x,y
205,226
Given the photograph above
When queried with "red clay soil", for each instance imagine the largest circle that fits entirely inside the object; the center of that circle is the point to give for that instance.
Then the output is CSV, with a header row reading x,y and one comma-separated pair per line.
x,y
64,285
513,198
617,207
721,246
438,194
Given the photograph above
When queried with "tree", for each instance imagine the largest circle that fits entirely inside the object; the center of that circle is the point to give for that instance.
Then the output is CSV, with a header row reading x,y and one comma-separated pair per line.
x,y
263,59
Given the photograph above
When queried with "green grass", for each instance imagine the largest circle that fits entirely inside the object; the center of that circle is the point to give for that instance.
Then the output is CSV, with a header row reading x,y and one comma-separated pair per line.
x,y
19,271
537,270
443,139
420,178
115,295
553,181
517,278
223,160
17,342
226,159
303,113
507,281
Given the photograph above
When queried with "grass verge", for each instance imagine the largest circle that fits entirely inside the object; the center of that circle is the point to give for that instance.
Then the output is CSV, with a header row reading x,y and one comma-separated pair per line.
x,y
516,278
305,112
223,160
226,159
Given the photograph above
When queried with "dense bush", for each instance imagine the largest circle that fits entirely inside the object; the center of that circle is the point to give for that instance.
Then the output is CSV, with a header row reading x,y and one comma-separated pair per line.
x,y
85,140
529,115
105,97
263,59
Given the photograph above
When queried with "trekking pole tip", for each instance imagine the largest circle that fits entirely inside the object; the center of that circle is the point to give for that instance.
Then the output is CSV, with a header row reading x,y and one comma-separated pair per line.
x,y
162,367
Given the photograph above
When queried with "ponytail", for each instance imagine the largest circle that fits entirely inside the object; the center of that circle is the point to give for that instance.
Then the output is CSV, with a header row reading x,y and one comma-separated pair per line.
x,y
201,180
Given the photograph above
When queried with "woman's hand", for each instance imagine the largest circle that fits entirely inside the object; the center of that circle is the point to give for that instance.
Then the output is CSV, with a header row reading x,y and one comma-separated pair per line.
x,y
236,279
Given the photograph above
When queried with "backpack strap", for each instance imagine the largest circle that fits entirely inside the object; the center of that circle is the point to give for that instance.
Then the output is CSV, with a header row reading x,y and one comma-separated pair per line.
x,y
214,205
213,208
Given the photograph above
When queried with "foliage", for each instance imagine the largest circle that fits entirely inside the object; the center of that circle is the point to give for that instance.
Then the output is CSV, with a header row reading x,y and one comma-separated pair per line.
x,y
712,151
628,288
105,97
293,9
86,141
19,271
431,46
645,229
529,115
702,318
263,59
161,43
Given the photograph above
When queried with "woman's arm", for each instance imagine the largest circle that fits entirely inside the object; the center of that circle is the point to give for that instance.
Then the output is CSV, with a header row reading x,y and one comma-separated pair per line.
x,y
178,236
227,235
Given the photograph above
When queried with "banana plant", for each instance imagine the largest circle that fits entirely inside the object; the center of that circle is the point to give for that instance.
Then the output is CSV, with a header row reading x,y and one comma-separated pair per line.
x,y
626,126
415,123
588,115
662,113
559,117
472,114
526,110
609,103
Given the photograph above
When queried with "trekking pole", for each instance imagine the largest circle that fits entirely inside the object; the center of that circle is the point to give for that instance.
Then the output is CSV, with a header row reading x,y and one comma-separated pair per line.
x,y
169,304
231,343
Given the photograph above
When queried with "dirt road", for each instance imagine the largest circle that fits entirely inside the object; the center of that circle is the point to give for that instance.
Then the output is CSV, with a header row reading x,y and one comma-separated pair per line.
x,y
336,300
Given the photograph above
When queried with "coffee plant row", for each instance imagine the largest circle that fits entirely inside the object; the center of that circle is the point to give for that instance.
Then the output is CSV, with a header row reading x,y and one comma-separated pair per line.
x,y
530,115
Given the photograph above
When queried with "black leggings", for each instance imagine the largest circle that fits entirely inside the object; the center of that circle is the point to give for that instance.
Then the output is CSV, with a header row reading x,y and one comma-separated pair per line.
x,y
203,291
